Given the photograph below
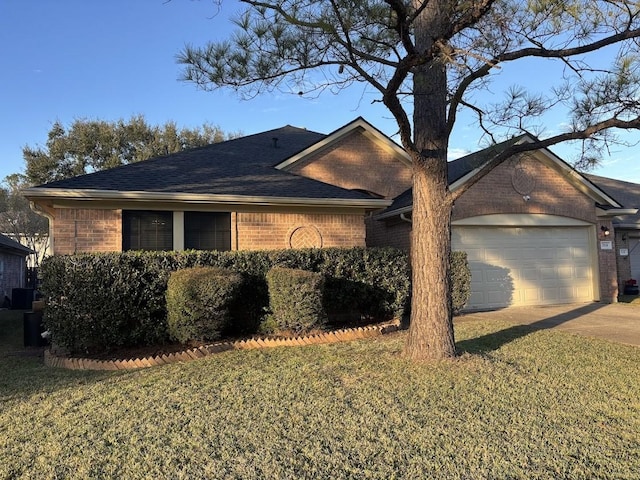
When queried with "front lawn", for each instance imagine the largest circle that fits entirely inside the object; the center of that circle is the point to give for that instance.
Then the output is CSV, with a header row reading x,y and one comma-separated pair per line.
x,y
517,404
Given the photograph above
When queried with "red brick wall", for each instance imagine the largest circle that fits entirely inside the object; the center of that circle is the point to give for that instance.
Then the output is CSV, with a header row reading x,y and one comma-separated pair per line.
x,y
263,231
550,193
623,264
357,162
77,230
83,230
607,265
389,233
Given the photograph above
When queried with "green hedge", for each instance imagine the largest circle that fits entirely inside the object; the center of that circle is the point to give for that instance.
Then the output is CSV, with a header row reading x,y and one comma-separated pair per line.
x,y
295,301
104,301
460,281
200,302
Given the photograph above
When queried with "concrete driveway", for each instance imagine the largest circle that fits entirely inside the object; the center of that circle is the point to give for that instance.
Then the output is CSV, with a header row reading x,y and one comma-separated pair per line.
x,y
617,322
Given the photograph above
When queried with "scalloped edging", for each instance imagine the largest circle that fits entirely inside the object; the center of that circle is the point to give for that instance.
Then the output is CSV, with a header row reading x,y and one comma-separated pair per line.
x,y
335,336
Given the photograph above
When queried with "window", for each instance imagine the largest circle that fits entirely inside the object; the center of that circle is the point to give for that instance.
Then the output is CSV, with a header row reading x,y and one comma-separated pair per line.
x,y
147,230
207,230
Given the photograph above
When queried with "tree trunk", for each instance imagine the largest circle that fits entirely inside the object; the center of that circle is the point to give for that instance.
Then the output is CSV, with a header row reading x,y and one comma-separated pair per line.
x,y
431,327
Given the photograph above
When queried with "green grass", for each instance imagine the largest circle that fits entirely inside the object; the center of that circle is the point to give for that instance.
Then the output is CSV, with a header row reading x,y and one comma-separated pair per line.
x,y
10,330
517,404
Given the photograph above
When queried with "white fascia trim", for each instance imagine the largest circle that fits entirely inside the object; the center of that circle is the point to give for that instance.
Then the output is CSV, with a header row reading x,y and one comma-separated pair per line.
x,y
342,132
588,187
394,213
85,195
615,212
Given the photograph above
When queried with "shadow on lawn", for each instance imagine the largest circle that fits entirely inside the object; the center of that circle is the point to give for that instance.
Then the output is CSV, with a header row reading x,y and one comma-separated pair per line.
x,y
23,370
495,340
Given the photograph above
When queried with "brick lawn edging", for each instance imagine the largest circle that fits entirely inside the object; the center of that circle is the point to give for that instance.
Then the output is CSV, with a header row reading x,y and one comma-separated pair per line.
x,y
335,336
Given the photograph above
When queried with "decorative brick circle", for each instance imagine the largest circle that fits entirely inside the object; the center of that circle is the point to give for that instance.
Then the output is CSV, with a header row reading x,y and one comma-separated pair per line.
x,y
522,177
305,237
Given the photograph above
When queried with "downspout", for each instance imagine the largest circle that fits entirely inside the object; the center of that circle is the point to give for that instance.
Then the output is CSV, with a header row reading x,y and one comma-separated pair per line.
x,y
43,213
404,218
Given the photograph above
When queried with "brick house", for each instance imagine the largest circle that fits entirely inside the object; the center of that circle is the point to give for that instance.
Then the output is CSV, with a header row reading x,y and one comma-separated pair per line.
x,y
626,228
536,231
282,188
12,266
533,228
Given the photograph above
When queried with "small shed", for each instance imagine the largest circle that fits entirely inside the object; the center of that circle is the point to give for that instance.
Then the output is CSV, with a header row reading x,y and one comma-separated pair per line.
x,y
12,266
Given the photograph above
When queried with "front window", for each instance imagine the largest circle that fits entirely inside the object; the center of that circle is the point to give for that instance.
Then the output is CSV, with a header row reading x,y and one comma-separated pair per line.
x,y
147,230
207,230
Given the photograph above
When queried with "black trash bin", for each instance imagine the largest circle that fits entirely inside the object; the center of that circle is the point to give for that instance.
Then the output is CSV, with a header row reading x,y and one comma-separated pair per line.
x,y
21,298
33,329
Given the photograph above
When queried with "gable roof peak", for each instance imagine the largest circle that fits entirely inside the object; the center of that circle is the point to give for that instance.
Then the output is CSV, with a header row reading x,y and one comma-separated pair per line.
x,y
340,133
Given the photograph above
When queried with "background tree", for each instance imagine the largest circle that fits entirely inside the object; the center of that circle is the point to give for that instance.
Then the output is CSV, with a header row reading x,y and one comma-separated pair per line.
x,y
91,145
87,146
19,222
429,60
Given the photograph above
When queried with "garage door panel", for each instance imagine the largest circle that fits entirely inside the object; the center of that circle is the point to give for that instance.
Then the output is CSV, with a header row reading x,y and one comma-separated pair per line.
x,y
550,295
495,276
580,252
567,272
548,273
531,295
582,272
474,254
526,265
528,274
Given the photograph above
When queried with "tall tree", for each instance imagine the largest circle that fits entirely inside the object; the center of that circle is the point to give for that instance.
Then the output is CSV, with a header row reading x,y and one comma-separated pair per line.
x,y
92,145
435,56
19,222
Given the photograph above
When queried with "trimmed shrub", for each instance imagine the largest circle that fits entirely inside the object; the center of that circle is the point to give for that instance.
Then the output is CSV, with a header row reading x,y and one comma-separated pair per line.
x,y
295,301
460,281
199,302
96,302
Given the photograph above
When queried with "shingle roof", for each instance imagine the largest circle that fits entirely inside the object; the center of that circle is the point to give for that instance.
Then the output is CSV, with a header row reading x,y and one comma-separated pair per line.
x,y
457,169
627,193
243,166
6,244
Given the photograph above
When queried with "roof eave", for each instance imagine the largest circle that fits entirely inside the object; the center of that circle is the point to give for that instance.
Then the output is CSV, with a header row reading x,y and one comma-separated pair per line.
x,y
394,213
142,196
615,212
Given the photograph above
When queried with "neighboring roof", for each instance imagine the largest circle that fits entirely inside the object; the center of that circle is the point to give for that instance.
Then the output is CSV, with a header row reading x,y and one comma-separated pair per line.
x,y
11,246
242,167
626,192
464,168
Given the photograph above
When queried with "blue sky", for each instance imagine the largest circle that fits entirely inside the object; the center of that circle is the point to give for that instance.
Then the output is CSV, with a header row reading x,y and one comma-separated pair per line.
x,y
74,59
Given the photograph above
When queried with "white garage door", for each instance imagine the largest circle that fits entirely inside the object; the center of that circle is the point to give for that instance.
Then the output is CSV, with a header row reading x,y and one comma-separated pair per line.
x,y
527,265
